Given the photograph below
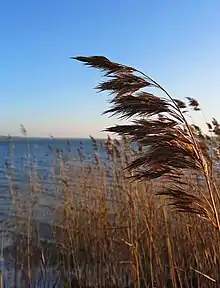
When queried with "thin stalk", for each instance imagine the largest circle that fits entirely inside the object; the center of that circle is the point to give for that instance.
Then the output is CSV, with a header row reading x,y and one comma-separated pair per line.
x,y
170,253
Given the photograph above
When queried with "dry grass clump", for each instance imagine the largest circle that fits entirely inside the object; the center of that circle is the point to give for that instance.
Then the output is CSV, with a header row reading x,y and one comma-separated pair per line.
x,y
110,224
110,231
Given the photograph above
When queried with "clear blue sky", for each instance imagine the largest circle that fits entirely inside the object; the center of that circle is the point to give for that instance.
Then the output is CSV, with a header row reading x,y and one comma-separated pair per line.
x,y
176,42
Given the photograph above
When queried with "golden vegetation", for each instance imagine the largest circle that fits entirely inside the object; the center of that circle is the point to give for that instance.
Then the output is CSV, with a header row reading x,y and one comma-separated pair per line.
x,y
119,218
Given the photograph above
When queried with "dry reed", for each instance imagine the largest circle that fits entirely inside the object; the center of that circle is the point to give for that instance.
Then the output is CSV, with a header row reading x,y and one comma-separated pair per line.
x,y
114,232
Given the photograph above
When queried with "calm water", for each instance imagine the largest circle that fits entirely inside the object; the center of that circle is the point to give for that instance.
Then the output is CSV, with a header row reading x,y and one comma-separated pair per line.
x,y
19,156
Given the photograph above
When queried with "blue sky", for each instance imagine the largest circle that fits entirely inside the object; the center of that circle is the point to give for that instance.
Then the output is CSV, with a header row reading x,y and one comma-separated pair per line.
x,y
175,42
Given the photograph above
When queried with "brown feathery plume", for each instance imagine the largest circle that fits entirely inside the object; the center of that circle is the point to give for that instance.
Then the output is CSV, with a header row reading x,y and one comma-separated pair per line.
x,y
144,105
180,103
215,122
170,146
209,127
193,103
188,203
103,63
216,128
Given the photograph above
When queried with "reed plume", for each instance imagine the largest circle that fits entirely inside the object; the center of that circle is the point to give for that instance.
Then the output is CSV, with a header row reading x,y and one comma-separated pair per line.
x,y
171,147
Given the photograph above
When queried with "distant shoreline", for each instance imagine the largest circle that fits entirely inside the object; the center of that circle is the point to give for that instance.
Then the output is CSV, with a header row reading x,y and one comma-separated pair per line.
x,y
11,139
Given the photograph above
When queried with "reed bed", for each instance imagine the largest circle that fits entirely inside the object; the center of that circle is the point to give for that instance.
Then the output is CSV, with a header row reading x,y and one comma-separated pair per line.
x,y
142,212
109,230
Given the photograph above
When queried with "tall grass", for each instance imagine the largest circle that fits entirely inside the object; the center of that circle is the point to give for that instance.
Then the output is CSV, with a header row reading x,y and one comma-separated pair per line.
x,y
106,227
117,220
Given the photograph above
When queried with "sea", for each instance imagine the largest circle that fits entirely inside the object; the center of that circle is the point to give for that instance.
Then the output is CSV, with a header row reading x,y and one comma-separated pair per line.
x,y
18,156
22,155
